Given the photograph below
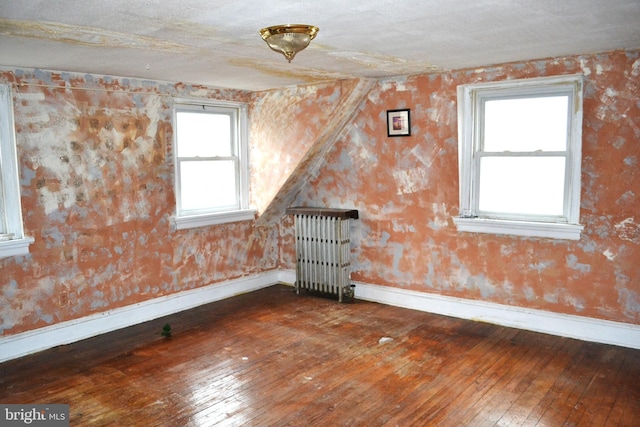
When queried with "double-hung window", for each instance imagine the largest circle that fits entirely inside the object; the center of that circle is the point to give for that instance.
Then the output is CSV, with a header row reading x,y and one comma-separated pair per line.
x,y
519,157
13,242
211,163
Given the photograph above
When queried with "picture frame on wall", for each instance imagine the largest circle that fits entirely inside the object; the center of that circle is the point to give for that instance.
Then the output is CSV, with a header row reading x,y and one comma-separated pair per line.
x,y
399,122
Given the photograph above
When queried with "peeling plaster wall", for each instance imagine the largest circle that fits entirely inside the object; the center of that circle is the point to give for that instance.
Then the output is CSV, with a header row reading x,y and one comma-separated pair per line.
x,y
287,124
406,190
329,116
96,178
96,174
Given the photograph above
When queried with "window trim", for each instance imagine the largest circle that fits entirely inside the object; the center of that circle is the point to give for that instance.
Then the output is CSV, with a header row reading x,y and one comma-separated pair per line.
x,y
10,182
469,97
242,212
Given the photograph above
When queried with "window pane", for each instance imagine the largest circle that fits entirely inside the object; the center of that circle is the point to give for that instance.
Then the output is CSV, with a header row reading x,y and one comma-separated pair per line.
x,y
203,134
522,185
207,184
526,124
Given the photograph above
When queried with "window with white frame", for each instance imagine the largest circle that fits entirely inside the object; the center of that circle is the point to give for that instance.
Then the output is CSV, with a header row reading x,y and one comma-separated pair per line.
x,y
519,154
13,242
211,163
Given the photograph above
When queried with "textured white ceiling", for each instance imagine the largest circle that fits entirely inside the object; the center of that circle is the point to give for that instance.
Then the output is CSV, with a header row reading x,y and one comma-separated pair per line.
x,y
216,42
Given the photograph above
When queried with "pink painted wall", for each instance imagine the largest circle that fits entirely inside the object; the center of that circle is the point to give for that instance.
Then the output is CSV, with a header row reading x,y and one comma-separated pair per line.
x,y
285,125
406,190
96,174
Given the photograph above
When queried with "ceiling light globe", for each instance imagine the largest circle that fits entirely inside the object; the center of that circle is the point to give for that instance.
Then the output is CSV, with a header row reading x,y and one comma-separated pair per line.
x,y
289,39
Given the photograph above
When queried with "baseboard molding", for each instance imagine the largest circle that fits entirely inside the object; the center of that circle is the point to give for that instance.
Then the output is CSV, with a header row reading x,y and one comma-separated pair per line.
x,y
582,328
14,346
565,325
288,277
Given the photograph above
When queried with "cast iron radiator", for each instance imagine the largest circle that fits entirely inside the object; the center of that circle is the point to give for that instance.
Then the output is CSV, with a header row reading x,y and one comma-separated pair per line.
x,y
323,250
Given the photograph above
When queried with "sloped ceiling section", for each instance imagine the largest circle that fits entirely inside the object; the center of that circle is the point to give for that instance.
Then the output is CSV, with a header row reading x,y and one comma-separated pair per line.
x,y
328,114
217,42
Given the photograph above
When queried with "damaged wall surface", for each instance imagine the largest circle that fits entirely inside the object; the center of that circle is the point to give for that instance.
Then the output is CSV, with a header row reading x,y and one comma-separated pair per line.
x,y
406,190
96,173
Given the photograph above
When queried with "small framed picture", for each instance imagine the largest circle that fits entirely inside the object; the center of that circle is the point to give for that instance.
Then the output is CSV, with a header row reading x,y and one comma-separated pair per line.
x,y
398,122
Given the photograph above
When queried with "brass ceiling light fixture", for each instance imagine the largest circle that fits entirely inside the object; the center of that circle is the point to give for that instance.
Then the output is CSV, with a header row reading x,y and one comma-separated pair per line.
x,y
289,39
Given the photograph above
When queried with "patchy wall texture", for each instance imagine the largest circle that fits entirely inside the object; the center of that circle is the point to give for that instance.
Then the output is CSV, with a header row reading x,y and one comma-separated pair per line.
x,y
96,173
287,124
97,192
406,190
293,132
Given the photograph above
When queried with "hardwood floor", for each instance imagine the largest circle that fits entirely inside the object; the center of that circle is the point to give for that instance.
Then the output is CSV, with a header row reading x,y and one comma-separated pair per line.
x,y
272,358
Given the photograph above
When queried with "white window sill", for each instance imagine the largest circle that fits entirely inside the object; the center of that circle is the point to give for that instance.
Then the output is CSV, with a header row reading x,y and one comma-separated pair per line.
x,y
193,221
519,228
15,247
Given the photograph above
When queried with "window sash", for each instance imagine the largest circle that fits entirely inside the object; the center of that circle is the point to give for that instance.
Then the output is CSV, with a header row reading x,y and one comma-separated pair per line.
x,y
215,147
531,88
515,117
564,187
234,177
534,93
188,216
10,207
470,133
13,242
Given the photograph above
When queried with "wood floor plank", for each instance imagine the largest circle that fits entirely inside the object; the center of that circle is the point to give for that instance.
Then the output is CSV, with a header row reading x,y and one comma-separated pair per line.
x,y
626,407
568,390
453,379
493,405
535,383
609,384
592,394
272,358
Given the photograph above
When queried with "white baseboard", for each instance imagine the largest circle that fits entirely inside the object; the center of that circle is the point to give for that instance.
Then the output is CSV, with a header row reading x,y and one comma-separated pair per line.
x,y
565,325
288,277
582,328
14,346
